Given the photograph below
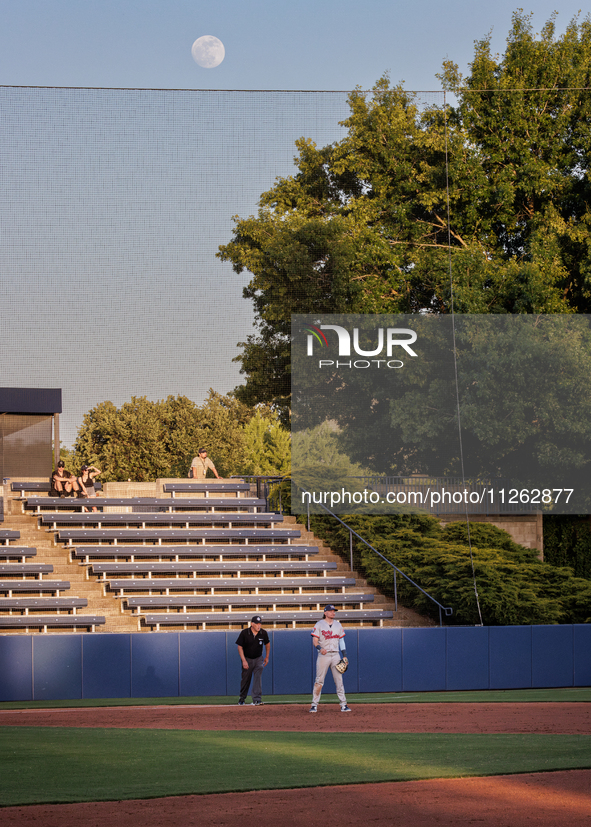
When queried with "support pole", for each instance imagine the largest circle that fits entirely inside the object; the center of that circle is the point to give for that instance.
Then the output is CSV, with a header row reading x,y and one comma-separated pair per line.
x,y
56,439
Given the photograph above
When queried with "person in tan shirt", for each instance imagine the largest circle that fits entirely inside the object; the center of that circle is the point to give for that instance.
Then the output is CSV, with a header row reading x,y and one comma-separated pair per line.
x,y
200,464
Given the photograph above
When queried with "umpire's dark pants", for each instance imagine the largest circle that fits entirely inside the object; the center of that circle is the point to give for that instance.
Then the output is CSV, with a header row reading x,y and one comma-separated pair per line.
x,y
254,673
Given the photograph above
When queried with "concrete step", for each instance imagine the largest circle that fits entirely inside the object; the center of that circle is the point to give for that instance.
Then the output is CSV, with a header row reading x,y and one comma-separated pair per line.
x,y
63,569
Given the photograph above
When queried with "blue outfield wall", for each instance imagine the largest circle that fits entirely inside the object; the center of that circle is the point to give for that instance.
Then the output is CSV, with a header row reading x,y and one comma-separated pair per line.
x,y
184,664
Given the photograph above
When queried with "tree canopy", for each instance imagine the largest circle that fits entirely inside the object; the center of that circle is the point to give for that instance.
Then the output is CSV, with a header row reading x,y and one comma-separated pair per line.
x,y
522,389
362,226
144,440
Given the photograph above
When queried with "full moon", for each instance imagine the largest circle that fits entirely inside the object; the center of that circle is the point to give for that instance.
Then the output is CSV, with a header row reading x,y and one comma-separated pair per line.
x,y
208,51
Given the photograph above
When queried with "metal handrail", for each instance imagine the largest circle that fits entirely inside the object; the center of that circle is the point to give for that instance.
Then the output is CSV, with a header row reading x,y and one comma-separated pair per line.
x,y
264,483
447,610
265,487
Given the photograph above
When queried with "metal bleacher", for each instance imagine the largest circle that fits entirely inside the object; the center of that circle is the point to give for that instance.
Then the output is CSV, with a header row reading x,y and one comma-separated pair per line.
x,y
204,556
24,600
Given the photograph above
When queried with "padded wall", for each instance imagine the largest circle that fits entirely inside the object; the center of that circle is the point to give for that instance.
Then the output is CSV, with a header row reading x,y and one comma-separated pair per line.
x,y
467,658
155,665
16,668
202,659
423,660
582,649
57,667
106,666
380,660
185,664
292,661
510,657
552,656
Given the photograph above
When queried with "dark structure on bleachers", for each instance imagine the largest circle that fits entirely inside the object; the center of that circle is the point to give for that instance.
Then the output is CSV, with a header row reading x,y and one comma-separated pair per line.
x,y
29,426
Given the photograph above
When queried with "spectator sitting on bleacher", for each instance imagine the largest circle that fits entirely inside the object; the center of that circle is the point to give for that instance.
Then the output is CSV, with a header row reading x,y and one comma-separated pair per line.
x,y
85,482
62,483
200,464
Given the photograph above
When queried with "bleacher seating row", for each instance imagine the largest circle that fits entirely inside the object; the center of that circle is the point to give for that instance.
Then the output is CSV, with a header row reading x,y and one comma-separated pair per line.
x,y
227,504
6,535
169,518
229,559
248,551
35,487
28,610
188,535
233,488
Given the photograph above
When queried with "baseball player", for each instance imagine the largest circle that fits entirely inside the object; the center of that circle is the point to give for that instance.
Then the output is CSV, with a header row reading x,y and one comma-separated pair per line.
x,y
328,637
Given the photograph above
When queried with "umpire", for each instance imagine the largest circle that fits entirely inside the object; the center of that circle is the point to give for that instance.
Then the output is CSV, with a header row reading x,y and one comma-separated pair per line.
x,y
250,644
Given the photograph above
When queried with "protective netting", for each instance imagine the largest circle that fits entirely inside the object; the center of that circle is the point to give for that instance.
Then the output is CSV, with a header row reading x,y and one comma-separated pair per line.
x,y
113,206
115,202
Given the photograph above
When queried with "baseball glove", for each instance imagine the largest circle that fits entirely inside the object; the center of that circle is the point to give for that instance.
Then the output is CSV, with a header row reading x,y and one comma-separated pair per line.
x,y
342,665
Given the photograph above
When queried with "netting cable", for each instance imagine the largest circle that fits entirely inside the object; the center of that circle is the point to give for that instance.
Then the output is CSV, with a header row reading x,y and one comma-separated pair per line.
x,y
455,355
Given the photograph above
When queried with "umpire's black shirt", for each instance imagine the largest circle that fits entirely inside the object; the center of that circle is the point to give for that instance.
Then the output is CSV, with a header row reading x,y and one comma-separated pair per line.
x,y
252,644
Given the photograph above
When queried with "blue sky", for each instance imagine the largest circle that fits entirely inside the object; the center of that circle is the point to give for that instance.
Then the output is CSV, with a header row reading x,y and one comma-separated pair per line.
x,y
306,44
114,204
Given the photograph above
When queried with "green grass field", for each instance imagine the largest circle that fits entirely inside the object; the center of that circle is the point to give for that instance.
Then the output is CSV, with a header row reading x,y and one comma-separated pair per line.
x,y
55,765
44,765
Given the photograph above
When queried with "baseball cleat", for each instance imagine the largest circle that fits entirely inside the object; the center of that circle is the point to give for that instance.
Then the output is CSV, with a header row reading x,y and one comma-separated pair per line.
x,y
345,708
240,703
257,703
314,708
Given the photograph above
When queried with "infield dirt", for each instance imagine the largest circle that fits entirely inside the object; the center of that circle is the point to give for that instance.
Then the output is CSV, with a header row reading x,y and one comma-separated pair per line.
x,y
558,718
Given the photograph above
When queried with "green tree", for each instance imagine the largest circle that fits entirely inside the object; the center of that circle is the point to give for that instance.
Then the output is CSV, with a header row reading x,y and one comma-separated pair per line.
x,y
267,445
125,443
514,587
524,403
567,542
220,430
362,227
321,462
525,120
144,440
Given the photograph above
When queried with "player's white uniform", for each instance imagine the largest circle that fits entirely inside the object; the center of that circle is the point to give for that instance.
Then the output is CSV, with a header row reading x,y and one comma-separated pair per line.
x,y
329,635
